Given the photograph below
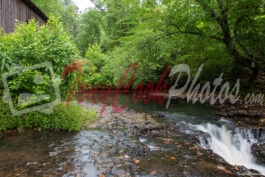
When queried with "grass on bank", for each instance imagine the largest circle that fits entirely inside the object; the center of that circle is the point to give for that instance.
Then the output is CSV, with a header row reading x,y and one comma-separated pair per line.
x,y
69,118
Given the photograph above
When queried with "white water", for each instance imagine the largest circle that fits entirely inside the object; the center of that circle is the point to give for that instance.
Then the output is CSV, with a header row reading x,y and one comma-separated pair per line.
x,y
235,147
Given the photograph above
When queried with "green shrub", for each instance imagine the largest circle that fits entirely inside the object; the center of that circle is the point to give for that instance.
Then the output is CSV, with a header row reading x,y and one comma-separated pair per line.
x,y
32,44
62,118
7,121
95,67
95,55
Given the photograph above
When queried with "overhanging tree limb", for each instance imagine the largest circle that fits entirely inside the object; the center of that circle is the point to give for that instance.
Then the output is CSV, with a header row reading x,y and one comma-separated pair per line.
x,y
197,34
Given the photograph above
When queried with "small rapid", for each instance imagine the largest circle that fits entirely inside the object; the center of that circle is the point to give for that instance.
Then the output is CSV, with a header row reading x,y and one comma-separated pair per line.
x,y
233,144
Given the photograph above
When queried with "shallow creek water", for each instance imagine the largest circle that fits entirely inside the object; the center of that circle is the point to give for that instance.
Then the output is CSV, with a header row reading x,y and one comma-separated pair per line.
x,y
175,150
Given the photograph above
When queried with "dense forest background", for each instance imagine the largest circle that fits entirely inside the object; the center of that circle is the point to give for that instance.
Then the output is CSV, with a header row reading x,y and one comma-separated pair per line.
x,y
102,42
227,36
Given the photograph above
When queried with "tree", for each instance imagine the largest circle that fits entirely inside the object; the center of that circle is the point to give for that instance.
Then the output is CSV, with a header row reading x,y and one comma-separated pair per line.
x,y
65,10
90,30
234,24
227,36
50,7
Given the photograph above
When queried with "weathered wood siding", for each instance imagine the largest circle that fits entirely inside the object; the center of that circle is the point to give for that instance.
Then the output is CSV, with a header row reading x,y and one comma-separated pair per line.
x,y
0,13
12,11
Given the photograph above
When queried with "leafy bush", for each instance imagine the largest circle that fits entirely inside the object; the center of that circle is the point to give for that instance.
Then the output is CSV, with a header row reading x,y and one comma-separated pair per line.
x,y
95,55
95,67
32,44
7,121
62,118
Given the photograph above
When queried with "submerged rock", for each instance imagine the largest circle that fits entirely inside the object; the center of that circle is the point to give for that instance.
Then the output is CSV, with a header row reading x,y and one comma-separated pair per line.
x,y
258,150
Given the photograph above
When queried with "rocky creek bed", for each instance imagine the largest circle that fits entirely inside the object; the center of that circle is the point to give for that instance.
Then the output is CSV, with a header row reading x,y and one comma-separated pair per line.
x,y
144,146
116,145
247,115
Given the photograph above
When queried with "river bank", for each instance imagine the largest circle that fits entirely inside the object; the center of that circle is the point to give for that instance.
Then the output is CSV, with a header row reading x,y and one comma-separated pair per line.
x,y
251,116
141,141
163,149
244,115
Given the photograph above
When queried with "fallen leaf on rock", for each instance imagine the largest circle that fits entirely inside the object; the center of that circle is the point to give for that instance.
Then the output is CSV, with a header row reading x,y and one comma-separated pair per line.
x,y
173,158
153,172
199,153
137,161
220,168
170,140
178,146
101,175
224,169
227,171
166,139
196,147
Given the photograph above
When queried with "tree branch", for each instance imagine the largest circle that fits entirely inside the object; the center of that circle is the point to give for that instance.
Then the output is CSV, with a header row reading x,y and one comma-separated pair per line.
x,y
197,34
209,10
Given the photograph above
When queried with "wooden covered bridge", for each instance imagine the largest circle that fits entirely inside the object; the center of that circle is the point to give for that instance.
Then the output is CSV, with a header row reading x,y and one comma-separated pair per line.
x,y
12,11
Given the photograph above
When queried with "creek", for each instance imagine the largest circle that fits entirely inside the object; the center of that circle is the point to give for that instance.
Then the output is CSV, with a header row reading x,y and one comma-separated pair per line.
x,y
191,142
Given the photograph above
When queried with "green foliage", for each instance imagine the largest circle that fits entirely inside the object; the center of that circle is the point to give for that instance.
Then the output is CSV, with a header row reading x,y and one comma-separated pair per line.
x,y
69,18
50,7
93,76
95,55
64,10
227,36
5,63
32,44
7,121
24,83
230,25
94,67
62,118
90,30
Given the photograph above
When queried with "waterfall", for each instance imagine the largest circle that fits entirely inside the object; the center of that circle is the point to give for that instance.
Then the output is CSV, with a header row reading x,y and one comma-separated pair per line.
x,y
234,146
